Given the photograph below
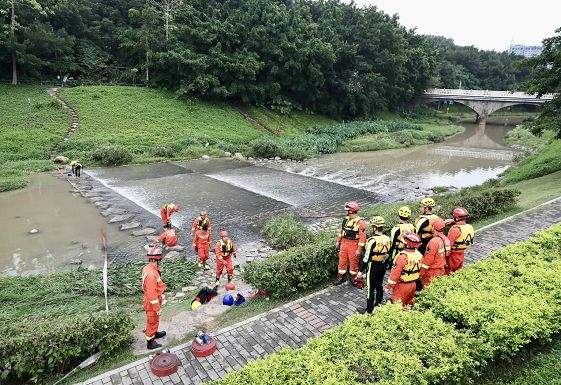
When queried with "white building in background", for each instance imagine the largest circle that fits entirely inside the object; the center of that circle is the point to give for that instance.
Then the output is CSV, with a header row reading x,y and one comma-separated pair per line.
x,y
525,50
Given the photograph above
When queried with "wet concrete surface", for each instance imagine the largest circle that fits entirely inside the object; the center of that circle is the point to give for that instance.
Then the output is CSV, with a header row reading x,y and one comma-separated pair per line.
x,y
237,195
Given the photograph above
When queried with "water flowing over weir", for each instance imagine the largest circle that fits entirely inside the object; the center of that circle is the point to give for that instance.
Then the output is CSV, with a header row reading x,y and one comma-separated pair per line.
x,y
237,195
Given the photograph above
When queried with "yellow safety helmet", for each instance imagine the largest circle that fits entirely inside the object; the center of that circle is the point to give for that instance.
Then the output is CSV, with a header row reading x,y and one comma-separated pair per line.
x,y
404,212
378,221
195,305
428,202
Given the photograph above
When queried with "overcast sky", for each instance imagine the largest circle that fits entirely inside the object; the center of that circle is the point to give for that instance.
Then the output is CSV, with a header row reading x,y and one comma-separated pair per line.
x,y
486,24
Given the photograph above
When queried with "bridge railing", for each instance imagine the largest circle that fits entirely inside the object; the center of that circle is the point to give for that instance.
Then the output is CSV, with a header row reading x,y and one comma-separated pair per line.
x,y
484,93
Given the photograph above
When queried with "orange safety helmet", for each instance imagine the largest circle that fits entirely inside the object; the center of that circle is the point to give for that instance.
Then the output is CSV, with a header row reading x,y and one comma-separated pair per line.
x,y
352,207
155,252
460,213
412,240
223,233
172,207
438,224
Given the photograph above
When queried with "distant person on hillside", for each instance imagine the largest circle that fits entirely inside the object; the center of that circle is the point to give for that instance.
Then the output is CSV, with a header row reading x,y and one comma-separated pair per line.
x,y
423,224
461,236
165,213
398,231
76,168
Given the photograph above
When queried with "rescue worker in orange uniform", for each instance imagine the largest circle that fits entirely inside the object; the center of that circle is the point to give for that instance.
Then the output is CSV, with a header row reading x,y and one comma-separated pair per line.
x,y
168,238
461,236
397,232
434,259
201,245
165,213
200,221
153,288
373,264
225,250
423,224
350,243
405,271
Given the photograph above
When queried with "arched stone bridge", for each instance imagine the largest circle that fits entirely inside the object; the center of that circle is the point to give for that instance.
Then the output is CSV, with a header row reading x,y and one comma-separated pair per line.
x,y
483,102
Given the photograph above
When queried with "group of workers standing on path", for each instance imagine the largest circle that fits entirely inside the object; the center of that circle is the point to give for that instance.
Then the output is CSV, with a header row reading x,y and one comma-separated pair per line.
x,y
152,284
415,253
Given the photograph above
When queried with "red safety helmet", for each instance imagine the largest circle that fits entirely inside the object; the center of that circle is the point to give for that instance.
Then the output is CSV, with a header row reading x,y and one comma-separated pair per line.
x,y
460,213
438,224
412,240
155,252
223,233
352,207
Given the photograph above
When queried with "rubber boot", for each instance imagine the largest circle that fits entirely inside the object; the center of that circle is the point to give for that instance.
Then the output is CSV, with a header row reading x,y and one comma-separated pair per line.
x,y
160,334
217,282
152,344
229,278
339,280
200,265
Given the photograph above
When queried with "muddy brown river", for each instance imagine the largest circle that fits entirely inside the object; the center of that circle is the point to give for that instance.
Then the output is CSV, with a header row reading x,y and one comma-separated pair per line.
x,y
239,196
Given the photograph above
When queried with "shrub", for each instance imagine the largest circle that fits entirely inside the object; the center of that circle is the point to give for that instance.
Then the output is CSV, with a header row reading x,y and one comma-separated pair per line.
x,y
545,162
31,349
483,312
507,301
162,151
286,231
264,148
400,125
111,155
297,269
389,347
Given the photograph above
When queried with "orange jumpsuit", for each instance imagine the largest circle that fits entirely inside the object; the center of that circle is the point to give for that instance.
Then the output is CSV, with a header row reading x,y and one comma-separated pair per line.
x,y
166,211
403,276
352,236
198,223
168,238
201,243
224,254
456,258
434,260
153,288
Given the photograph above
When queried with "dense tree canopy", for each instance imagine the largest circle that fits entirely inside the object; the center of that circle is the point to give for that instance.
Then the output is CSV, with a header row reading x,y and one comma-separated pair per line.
x,y
545,78
323,55
472,68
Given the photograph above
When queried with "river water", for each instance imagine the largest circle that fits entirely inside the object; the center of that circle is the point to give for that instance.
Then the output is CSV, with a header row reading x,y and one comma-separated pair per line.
x,y
239,196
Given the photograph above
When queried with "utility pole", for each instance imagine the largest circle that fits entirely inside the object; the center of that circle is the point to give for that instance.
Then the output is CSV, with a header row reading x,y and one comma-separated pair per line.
x,y
13,38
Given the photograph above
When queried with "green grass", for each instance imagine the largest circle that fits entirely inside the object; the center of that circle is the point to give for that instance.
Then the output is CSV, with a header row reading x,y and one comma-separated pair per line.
x,y
433,130
31,124
154,125
290,125
546,161
537,366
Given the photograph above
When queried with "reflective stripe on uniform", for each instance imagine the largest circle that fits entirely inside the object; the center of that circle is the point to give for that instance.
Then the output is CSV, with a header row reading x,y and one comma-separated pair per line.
x,y
154,301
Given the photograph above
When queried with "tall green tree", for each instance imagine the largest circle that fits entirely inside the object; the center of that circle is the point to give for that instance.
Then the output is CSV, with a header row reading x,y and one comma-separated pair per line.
x,y
545,78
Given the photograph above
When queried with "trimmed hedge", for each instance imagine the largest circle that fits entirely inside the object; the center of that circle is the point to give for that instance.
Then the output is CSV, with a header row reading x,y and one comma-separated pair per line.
x,y
286,231
31,350
486,311
389,347
509,300
297,269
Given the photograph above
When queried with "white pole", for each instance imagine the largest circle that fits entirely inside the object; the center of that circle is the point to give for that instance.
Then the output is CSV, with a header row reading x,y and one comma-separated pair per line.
x,y
104,251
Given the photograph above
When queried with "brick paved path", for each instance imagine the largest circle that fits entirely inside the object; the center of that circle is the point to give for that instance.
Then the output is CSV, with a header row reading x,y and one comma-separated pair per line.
x,y
292,324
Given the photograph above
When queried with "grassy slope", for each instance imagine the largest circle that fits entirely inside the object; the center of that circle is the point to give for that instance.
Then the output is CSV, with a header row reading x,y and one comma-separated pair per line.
x,y
287,125
31,124
141,119
434,130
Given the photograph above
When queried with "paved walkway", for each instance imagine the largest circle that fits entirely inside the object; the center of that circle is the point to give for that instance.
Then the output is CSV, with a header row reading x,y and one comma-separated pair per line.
x,y
292,324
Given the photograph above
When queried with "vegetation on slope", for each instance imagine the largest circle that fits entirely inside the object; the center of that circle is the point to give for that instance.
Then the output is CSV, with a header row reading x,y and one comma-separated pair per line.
x,y
31,124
